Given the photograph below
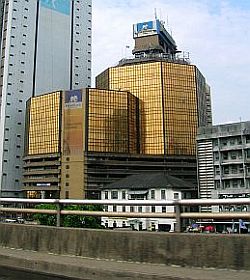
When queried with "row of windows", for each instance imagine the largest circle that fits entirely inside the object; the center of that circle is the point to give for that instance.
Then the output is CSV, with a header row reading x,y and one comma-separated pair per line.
x,y
231,141
233,183
135,209
124,195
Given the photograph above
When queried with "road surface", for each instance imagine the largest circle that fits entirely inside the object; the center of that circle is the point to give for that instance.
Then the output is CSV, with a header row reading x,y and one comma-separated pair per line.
x,y
13,274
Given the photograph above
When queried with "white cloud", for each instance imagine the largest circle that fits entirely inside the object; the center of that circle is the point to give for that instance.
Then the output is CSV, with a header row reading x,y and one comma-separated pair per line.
x,y
217,37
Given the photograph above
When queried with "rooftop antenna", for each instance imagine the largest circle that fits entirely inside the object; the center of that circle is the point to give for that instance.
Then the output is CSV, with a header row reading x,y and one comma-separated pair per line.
x,y
168,26
155,14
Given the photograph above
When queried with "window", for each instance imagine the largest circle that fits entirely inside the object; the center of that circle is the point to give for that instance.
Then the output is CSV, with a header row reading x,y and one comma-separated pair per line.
x,y
233,155
132,209
114,208
226,170
123,195
153,209
163,194
234,169
105,208
114,194
224,142
227,184
66,194
247,138
215,142
176,195
217,170
232,141
217,184
164,209
106,195
235,184
225,156
152,194
216,156
123,208
140,209
248,153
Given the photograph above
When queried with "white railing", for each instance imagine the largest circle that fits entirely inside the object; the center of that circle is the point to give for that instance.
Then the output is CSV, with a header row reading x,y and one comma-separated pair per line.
x,y
17,205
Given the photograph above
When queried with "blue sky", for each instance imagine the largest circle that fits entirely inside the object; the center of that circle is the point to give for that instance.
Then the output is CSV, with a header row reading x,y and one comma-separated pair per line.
x,y
215,33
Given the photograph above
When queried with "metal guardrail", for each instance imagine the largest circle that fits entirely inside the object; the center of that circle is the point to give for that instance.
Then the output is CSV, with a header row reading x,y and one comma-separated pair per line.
x,y
178,215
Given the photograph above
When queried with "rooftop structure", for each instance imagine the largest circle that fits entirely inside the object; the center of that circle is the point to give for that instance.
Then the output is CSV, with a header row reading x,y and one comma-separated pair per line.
x,y
152,37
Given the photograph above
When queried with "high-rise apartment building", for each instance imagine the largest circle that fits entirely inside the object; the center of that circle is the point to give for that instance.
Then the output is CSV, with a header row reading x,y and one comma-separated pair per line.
x,y
45,46
223,156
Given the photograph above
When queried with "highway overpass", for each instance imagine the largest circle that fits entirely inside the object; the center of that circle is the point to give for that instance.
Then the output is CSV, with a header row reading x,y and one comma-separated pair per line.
x,y
106,254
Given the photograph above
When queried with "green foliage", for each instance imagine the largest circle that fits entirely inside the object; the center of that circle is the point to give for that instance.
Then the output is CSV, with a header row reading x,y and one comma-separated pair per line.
x,y
45,219
70,220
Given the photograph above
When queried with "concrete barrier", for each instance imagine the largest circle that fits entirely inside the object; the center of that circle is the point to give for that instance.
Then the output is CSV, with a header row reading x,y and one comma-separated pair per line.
x,y
196,250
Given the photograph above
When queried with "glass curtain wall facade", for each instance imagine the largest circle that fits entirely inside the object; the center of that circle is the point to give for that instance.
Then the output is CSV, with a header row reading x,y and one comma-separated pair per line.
x,y
44,124
112,122
170,97
41,176
62,127
179,108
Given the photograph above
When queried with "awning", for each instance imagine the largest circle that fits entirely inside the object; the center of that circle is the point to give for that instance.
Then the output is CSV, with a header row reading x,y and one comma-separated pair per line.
x,y
138,192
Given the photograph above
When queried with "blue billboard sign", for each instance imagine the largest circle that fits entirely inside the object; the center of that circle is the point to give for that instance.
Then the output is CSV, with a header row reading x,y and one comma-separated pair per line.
x,y
73,99
146,28
61,6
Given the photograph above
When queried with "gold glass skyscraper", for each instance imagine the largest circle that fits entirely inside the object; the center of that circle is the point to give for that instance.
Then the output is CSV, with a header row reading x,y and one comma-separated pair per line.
x,y
172,102
142,117
62,126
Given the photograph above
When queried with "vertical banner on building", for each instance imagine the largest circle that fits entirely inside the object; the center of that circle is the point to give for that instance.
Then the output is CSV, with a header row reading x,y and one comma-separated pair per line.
x,y
73,123
61,6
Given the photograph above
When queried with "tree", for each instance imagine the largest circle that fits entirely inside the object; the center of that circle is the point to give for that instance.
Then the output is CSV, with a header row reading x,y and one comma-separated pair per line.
x,y
70,220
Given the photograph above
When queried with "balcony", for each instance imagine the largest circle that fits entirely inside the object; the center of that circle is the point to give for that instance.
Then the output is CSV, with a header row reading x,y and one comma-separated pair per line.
x,y
41,180
41,172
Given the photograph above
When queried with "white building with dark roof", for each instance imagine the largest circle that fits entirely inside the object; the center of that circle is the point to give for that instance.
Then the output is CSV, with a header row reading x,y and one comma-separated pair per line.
x,y
150,186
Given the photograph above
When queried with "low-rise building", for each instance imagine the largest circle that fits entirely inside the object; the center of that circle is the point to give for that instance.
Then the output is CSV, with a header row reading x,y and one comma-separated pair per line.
x,y
150,186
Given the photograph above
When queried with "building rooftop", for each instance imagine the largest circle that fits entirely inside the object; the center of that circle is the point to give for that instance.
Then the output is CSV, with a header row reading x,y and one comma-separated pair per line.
x,y
228,129
151,180
181,58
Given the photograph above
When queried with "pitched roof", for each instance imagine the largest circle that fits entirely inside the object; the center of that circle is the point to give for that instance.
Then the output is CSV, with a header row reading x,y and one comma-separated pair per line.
x,y
151,180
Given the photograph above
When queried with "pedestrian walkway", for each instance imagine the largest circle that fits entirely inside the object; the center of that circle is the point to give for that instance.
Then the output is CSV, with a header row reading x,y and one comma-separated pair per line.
x,y
93,269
